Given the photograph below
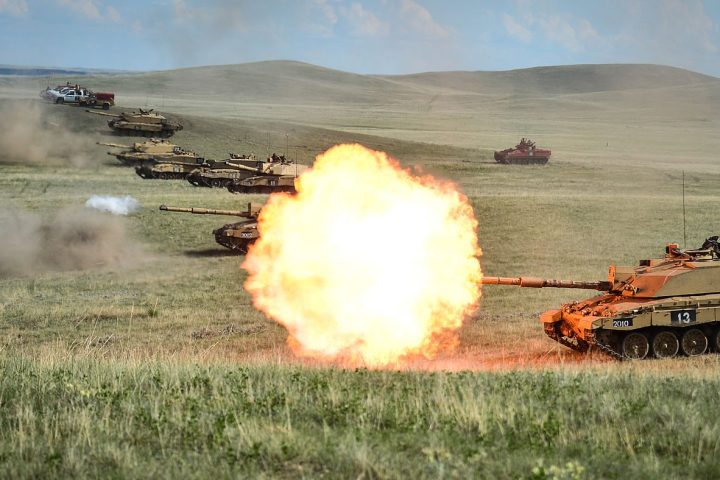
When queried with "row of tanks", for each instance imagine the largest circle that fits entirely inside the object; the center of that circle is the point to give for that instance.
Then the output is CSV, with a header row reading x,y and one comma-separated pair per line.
x,y
160,159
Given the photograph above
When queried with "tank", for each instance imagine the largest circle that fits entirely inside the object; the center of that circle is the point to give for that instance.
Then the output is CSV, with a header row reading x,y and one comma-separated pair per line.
x,y
663,307
524,153
218,174
277,174
168,169
144,123
236,236
153,149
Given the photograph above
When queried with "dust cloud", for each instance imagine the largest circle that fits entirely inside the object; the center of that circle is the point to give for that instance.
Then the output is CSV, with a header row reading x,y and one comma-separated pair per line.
x,y
28,136
72,239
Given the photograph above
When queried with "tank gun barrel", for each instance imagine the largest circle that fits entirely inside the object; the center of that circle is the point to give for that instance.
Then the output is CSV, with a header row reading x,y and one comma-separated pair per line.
x,y
103,113
114,145
243,167
535,282
251,212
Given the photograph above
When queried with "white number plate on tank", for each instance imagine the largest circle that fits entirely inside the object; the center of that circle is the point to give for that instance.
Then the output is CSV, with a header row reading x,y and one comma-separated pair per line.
x,y
622,322
683,317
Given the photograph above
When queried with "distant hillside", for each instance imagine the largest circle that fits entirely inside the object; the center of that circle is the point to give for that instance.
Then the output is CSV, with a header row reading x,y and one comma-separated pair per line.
x,y
287,82
262,82
558,80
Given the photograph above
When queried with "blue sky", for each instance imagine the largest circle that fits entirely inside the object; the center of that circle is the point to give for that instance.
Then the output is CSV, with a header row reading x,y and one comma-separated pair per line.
x,y
363,36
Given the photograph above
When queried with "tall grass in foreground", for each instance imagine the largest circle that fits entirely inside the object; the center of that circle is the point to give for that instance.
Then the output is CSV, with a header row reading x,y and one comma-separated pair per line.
x,y
93,419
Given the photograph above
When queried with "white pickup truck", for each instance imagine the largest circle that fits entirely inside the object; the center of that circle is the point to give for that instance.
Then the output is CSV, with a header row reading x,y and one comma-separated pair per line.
x,y
67,95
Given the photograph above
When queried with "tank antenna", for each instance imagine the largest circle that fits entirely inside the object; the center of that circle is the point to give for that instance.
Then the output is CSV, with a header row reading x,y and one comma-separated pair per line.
x,y
683,200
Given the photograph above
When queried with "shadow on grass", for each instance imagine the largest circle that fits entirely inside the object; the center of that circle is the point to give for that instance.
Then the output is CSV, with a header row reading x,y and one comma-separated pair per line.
x,y
211,252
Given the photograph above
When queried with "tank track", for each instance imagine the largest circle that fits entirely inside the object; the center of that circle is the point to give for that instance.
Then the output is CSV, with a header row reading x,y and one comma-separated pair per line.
x,y
240,246
608,350
571,343
259,189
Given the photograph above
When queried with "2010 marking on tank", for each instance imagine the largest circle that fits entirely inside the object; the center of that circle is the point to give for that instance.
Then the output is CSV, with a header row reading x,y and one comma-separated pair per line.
x,y
622,322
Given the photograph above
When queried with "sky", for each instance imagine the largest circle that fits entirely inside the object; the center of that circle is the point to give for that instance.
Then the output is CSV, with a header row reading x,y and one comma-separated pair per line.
x,y
361,36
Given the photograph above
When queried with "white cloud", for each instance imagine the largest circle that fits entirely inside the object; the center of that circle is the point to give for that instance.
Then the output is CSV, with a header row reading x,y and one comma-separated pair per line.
x,y
84,7
363,21
420,19
687,23
14,7
570,32
92,9
515,29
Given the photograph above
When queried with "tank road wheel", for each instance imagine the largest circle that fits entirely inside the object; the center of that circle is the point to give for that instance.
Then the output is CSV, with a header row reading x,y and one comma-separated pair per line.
x,y
665,344
162,176
635,346
215,183
694,342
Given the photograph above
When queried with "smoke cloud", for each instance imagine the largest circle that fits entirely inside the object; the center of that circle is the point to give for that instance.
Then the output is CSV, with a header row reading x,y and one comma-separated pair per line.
x,y
72,239
28,136
115,205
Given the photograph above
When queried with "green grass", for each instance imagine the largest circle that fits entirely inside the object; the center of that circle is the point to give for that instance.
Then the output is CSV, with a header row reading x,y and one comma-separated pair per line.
x,y
90,419
165,369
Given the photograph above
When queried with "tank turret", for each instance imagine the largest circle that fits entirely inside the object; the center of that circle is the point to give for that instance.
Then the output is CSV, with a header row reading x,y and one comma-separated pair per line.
x,y
277,174
143,123
662,307
154,150
218,174
236,236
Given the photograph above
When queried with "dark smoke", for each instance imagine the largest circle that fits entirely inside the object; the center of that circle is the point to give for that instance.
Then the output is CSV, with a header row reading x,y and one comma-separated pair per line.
x,y
73,239
27,136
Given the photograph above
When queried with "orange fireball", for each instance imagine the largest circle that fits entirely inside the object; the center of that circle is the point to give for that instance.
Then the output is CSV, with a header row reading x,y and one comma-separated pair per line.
x,y
367,263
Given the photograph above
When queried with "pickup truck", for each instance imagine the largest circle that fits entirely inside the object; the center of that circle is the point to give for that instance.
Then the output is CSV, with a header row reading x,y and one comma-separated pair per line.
x,y
66,95
79,95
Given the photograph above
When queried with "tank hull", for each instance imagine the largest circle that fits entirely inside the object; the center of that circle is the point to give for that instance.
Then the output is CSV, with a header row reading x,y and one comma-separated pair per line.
x,y
165,170
524,153
263,184
141,129
636,328
237,236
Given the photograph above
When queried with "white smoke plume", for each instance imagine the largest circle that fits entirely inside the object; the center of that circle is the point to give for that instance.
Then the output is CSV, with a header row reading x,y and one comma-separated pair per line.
x,y
115,205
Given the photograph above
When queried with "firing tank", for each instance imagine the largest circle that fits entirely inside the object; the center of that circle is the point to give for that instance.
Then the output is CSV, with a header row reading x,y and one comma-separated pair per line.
x,y
144,123
236,236
277,174
153,149
662,307
524,153
218,174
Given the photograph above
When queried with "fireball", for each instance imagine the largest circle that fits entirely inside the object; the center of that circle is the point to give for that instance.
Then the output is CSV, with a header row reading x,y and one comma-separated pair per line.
x,y
367,263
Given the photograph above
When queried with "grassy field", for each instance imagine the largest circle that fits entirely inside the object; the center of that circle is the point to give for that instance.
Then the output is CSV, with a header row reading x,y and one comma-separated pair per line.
x,y
163,368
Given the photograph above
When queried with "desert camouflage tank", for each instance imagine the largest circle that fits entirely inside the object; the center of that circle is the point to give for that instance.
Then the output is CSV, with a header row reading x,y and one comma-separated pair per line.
x,y
218,174
660,308
524,153
236,236
168,169
153,149
277,174
144,123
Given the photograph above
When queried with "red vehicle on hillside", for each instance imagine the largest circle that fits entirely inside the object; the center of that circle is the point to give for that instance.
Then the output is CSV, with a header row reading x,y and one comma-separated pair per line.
x,y
524,153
